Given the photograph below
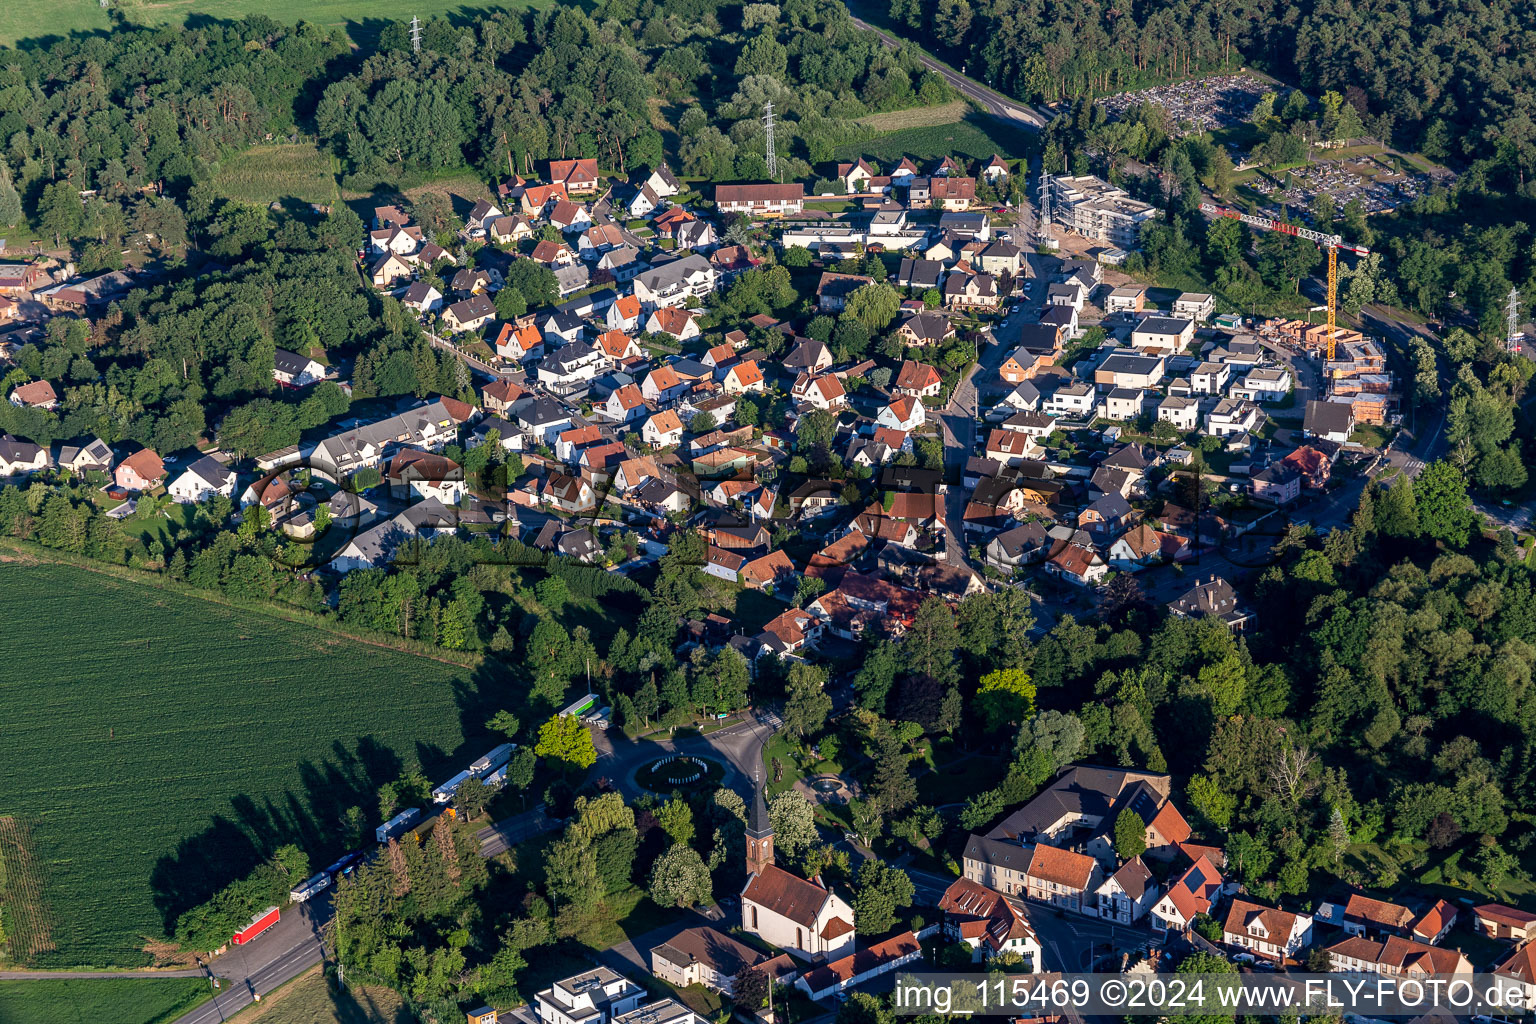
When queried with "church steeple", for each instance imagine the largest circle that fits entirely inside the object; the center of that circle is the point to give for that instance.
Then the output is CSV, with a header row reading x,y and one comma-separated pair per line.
x,y
759,830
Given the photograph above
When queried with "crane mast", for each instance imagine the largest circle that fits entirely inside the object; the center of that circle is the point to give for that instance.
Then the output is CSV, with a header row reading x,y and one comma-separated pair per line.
x,y
1331,244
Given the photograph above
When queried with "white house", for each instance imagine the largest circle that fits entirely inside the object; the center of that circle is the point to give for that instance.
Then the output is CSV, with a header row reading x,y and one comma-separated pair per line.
x,y
1195,305
1209,378
294,370
1162,333
622,404
905,413
422,297
663,429
18,456
1233,416
679,323
823,392
596,997
201,480
1126,896
416,474
1189,896
1263,384
680,282
1271,933
1075,400
624,315
1183,413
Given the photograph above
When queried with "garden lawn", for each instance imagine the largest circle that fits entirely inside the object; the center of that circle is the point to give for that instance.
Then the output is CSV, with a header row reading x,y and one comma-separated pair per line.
x,y
31,19
96,1000
157,746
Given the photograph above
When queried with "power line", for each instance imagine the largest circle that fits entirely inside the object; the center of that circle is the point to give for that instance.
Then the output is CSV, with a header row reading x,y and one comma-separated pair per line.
x,y
415,33
1512,339
773,160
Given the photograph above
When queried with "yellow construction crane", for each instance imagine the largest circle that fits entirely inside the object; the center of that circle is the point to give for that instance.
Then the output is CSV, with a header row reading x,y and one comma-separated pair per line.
x,y
1331,244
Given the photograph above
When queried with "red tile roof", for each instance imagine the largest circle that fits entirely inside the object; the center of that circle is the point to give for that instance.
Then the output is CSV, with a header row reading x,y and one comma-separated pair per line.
x,y
785,894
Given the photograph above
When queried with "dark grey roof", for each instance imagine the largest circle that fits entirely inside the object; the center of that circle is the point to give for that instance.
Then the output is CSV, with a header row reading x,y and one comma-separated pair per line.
x,y
1085,790
1124,362
1022,539
1163,325
1328,417
1112,506
289,362
1128,456
538,411
920,273
997,853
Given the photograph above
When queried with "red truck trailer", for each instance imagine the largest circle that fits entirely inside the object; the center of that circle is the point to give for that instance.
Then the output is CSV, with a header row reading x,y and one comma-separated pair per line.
x,y
260,923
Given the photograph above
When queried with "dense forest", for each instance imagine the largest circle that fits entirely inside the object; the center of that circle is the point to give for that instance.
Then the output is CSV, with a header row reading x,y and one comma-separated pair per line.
x,y
1440,76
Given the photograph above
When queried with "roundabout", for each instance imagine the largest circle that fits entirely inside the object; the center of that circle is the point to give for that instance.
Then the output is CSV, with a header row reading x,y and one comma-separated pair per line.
x,y
675,771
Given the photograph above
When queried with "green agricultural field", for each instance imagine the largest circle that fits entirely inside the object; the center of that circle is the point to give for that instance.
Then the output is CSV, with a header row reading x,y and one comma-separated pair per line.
x,y
95,1000
31,19
976,137
917,117
158,745
267,174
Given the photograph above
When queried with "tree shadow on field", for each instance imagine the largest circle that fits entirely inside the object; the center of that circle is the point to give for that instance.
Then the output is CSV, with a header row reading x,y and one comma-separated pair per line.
x,y
311,816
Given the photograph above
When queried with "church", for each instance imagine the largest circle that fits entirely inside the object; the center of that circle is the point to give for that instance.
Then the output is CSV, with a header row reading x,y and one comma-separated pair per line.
x,y
801,916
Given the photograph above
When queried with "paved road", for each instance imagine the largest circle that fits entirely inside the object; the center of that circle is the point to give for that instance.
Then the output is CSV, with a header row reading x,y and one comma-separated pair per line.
x,y
472,362
180,972
288,949
1002,107
500,836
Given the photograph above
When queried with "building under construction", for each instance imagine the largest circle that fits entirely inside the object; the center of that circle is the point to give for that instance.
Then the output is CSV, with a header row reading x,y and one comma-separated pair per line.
x,y
1357,375
1094,208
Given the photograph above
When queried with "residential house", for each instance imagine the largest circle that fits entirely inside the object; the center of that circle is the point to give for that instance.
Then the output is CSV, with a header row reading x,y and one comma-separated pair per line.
x,y
1214,598
569,493
1190,895
1130,370
1266,931
950,192
622,405
926,328
202,479
499,395
1182,412
1074,400
1125,896
1376,918
711,958
918,380
568,218
970,291
429,426
89,455
1076,564
388,271
761,200
988,922
1163,334
823,392
552,254
480,215
622,264
1128,298
141,471
1517,971
1067,293
598,239
542,417
767,570
663,182
570,366
1277,482
1124,404
663,386
578,176
417,474
619,348
808,356
679,323
832,290
855,176
1001,257
1108,515
919,274
1196,306
1063,878
519,344
1435,923
18,456
509,229
422,297
475,281
1396,957
624,315
1010,447
662,430
995,170
903,413
1209,378
596,997
1233,416
1331,421
39,394
676,283
1263,384
742,378
1018,547
469,314
904,173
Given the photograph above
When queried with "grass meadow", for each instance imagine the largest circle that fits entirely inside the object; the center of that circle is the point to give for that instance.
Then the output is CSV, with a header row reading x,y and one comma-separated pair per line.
x,y
976,137
97,1000
157,746
33,19
267,174
917,117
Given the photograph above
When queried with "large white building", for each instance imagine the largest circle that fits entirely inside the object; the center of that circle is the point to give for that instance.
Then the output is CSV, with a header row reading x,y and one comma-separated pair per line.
x,y
1096,209
802,917
597,997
